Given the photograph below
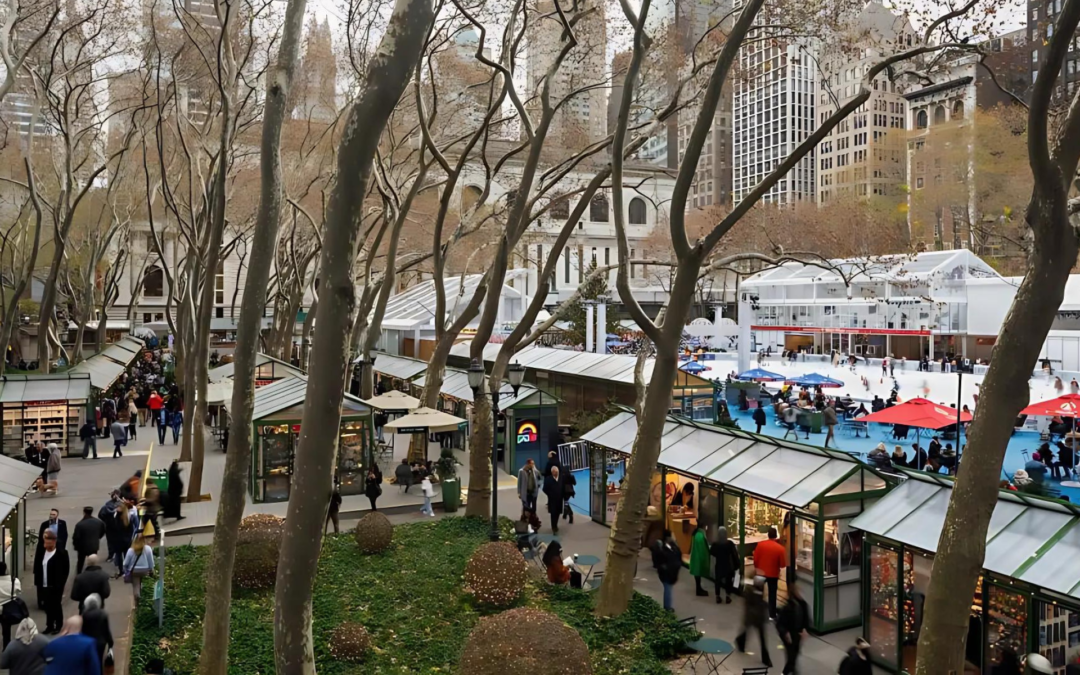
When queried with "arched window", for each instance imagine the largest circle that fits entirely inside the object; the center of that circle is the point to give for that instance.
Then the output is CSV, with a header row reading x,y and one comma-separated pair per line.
x,y
920,120
638,214
469,196
560,210
958,110
154,282
939,115
598,209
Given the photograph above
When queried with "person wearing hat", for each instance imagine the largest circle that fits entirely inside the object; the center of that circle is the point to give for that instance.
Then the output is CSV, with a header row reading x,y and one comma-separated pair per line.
x,y
857,661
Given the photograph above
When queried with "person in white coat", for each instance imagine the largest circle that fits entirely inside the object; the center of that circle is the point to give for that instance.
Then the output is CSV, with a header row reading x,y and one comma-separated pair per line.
x,y
429,492
10,588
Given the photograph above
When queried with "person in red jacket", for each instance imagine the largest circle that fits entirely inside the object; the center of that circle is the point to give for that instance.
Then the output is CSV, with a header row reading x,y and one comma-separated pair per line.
x,y
154,403
769,558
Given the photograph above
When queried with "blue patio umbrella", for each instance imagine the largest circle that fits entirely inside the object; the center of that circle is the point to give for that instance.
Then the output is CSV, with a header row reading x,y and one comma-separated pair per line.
x,y
814,380
759,375
692,367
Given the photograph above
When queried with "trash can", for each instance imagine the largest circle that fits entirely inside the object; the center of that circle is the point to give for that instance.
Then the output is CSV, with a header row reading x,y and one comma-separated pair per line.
x,y
451,494
160,478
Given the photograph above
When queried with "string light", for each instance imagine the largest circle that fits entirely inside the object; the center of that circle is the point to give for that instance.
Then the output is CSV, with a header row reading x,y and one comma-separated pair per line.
x,y
532,638
350,642
258,545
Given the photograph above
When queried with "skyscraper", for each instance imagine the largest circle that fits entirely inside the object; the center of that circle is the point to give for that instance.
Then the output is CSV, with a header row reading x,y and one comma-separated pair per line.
x,y
582,118
865,154
773,113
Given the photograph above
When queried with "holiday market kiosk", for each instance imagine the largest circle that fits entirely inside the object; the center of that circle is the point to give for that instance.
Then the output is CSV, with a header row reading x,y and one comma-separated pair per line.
x,y
1027,600
709,475
46,408
16,479
278,412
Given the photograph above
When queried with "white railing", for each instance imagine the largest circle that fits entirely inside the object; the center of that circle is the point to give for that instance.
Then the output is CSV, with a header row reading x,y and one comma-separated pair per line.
x,y
574,455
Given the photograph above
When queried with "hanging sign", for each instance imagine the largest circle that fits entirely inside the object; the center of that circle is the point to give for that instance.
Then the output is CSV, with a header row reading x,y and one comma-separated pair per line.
x,y
526,433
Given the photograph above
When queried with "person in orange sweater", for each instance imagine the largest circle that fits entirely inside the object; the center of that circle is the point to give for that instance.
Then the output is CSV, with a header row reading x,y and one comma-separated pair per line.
x,y
769,558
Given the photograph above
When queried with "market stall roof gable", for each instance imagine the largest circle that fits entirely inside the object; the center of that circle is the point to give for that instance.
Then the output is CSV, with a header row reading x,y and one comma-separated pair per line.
x,y
789,473
66,386
456,385
415,307
226,370
16,479
400,367
1033,539
284,400
106,366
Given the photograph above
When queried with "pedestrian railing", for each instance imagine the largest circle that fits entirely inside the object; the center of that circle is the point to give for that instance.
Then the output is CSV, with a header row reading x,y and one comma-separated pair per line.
x,y
574,455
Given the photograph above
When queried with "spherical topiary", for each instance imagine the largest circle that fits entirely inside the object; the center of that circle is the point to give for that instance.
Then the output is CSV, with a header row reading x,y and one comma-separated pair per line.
x,y
374,533
495,574
258,545
524,641
350,642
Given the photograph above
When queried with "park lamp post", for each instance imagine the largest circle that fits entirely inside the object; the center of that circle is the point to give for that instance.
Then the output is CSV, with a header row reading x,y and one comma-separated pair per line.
x,y
515,374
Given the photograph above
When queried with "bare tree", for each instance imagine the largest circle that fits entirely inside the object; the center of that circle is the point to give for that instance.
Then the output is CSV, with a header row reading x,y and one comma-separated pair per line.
x,y
388,74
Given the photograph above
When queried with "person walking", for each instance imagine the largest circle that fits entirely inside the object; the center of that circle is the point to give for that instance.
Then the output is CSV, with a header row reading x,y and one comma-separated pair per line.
x,y
51,483
403,475
138,564
96,625
12,607
668,561
754,615
176,421
1074,386
174,497
72,653
884,366
25,655
155,403
333,510
828,416
373,486
569,490
88,435
528,486
727,562
1059,386
51,569
133,419
857,660
553,490
792,623
91,581
119,436
151,503
759,418
769,558
86,539
699,560
162,417
108,515
428,492
128,519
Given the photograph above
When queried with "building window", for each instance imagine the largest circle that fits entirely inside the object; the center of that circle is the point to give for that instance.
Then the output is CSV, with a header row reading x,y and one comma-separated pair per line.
x,y
920,120
919,183
958,110
219,284
598,209
469,196
637,211
939,115
1034,55
560,210
154,283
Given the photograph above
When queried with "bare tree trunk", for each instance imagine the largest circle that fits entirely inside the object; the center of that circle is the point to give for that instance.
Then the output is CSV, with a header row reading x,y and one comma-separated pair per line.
x,y
305,333
387,76
215,651
11,313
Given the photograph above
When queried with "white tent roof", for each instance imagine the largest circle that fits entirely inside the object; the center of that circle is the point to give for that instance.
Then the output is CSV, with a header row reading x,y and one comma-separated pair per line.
x,y
426,418
401,367
415,307
289,392
1032,539
226,370
16,478
393,400
789,473
890,268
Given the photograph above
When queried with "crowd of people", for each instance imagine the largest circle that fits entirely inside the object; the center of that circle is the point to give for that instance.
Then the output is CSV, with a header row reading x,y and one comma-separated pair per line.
x,y
81,644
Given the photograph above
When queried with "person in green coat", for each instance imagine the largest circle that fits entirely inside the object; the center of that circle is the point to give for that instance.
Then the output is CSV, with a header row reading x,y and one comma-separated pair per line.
x,y
699,559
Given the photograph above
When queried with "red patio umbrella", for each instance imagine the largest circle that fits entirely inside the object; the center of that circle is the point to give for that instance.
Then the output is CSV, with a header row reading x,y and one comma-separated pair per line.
x,y
919,413
1067,405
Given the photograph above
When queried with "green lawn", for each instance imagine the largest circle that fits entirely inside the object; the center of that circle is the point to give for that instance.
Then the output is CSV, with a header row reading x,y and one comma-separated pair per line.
x,y
410,599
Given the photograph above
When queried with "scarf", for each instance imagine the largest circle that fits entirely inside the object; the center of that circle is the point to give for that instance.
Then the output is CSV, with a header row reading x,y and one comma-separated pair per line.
x,y
26,632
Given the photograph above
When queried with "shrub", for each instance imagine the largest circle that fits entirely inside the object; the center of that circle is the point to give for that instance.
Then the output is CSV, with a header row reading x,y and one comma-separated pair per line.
x,y
495,574
350,642
374,533
524,641
258,545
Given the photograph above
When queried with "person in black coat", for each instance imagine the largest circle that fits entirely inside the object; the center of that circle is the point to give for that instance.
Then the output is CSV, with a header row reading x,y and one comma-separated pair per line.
x,y
759,418
93,580
857,661
87,537
569,484
59,528
727,562
95,624
554,491
667,558
792,623
51,570
553,462
174,497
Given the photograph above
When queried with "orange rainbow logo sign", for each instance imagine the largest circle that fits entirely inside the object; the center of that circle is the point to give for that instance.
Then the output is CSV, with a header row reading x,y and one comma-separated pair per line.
x,y
526,433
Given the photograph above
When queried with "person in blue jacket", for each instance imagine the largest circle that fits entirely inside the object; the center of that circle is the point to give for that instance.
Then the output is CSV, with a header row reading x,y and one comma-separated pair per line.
x,y
72,653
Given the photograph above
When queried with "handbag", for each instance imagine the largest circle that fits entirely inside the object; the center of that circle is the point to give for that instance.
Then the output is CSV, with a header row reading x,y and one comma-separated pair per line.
x,y
15,610
108,664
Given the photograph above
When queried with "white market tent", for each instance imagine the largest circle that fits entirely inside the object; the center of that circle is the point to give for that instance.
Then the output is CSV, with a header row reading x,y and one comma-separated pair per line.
x,y
393,401
414,308
612,367
1032,539
893,268
107,365
425,420
786,472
